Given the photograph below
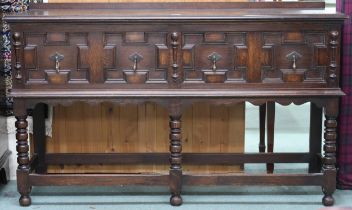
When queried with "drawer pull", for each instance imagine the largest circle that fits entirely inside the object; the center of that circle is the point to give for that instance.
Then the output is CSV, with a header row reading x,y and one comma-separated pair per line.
x,y
135,58
293,56
214,57
57,57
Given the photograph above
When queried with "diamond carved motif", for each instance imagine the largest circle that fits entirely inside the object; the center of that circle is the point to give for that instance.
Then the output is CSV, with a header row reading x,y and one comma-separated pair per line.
x,y
120,48
228,50
305,59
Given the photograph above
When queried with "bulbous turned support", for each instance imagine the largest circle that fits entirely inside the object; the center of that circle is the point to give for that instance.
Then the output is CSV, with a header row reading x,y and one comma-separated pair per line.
x,y
22,160
329,160
175,160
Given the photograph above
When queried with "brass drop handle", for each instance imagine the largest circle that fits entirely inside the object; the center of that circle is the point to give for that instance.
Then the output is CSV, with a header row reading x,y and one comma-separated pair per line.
x,y
293,56
294,62
57,57
214,57
135,64
135,58
214,63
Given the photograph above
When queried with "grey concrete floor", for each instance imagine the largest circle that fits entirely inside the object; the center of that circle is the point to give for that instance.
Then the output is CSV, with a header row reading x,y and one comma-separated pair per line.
x,y
154,198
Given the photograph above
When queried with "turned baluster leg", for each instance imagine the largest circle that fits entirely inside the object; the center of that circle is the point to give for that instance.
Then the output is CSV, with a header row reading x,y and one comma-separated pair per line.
x,y
270,132
329,160
175,160
22,157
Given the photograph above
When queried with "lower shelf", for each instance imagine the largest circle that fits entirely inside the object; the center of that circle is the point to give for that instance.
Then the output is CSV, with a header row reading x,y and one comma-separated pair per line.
x,y
314,179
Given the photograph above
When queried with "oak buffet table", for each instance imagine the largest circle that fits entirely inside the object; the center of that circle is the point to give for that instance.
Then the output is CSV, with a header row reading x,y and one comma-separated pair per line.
x,y
174,54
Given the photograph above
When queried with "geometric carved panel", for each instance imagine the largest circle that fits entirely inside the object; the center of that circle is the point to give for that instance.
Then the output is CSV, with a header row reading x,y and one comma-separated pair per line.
x,y
309,67
135,37
231,47
292,37
82,62
163,56
41,68
56,38
30,57
151,46
214,37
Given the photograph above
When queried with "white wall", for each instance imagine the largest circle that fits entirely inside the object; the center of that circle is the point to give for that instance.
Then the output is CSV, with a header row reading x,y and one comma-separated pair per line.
x,y
287,118
8,133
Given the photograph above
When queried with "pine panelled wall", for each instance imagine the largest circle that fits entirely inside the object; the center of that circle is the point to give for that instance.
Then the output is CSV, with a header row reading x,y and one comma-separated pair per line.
x,y
144,128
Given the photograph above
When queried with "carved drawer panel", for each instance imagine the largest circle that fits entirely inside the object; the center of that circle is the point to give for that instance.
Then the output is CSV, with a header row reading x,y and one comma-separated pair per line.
x,y
56,58
95,57
294,57
136,57
214,57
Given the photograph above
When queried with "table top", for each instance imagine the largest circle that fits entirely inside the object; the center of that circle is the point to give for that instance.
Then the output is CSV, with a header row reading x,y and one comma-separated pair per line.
x,y
63,14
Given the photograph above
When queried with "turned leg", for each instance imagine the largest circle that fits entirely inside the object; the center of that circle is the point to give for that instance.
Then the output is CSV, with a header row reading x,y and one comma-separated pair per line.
x,y
175,160
39,137
22,159
262,113
329,160
270,132
315,130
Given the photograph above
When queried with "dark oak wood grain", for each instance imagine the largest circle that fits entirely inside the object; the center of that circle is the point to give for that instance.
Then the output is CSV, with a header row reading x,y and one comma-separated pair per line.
x,y
176,54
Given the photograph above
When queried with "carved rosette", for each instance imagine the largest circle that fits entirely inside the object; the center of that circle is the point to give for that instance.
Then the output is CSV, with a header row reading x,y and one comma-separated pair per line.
x,y
333,57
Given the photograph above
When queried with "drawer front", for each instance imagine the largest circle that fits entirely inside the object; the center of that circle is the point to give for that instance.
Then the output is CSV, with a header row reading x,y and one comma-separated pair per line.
x,y
215,57
95,58
40,66
293,58
135,59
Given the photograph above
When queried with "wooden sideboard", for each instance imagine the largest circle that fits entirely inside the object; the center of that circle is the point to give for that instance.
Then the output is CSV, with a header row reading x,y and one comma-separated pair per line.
x,y
175,54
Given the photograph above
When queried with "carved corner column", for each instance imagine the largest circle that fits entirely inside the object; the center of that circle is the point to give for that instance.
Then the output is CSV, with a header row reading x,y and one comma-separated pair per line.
x,y
334,59
329,160
17,45
22,148
174,55
175,173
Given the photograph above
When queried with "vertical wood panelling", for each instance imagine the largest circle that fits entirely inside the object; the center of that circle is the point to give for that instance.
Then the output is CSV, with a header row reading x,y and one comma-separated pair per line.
x,y
201,130
144,128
